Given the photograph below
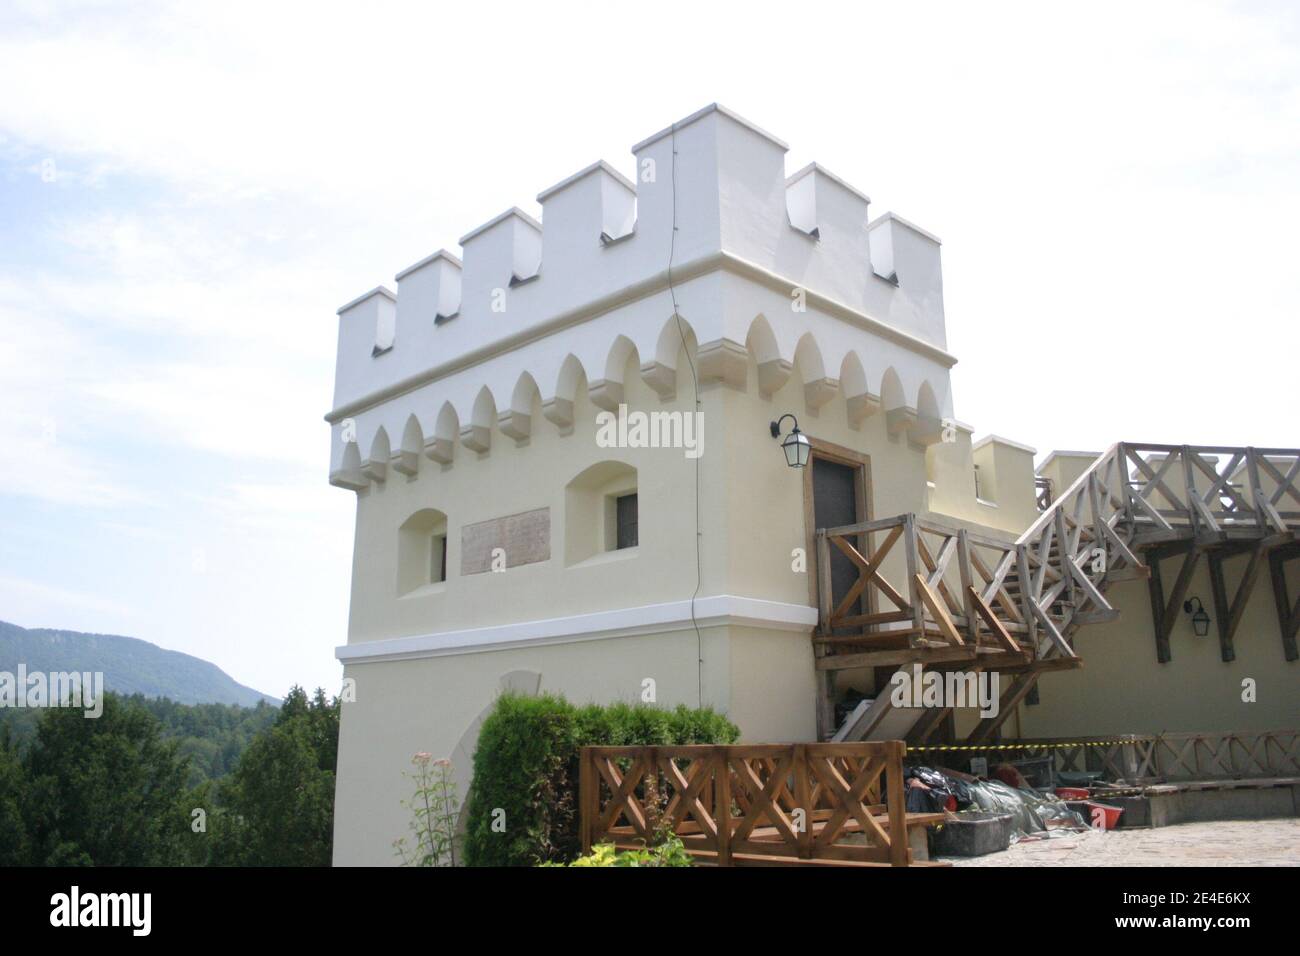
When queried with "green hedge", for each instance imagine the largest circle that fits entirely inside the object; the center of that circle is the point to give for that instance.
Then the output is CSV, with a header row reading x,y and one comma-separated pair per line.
x,y
526,764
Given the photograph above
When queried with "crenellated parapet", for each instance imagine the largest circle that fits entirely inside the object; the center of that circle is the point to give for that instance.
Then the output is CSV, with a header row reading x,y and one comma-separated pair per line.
x,y
789,272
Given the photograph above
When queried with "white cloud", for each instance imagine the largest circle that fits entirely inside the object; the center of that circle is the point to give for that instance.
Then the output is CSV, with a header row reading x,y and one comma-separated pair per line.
x,y
17,594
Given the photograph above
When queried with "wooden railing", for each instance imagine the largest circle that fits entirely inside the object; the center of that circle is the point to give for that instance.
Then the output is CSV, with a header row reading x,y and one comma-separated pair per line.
x,y
1236,756
1143,758
1028,597
770,803
1065,557
1212,490
956,596
1050,580
1042,493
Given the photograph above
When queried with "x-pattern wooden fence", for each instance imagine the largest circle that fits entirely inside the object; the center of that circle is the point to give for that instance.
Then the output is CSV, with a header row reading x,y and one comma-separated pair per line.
x,y
1051,580
1202,756
1032,594
957,591
1213,489
751,804
1171,756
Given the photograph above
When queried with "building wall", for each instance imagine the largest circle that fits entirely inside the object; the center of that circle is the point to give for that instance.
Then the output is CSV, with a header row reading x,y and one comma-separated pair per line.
x,y
511,479
1121,688
407,706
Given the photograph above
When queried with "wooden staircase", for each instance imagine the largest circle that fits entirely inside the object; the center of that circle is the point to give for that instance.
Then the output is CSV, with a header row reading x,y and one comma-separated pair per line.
x,y
964,599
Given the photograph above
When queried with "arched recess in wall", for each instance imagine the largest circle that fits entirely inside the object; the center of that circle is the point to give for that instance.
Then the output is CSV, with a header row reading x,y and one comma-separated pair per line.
x,y
818,387
928,428
668,369
446,430
898,416
477,435
773,370
376,466
408,459
517,420
607,392
601,511
522,682
349,474
859,402
421,552
571,380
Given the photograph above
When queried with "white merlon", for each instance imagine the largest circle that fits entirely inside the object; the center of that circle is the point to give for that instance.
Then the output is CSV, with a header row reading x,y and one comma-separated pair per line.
x,y
999,440
577,294
818,201
594,206
367,327
1059,453
712,108
897,221
376,291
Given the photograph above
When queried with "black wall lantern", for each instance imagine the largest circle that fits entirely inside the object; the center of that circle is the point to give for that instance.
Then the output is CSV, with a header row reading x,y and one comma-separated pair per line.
x,y
1200,620
796,446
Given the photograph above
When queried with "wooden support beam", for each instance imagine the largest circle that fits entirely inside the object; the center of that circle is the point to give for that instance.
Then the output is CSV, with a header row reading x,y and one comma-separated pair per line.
x,y
869,571
1139,503
1053,632
913,568
1085,583
1229,612
1220,594
937,610
999,631
930,721
825,680
1288,617
1164,613
907,655
1042,667
824,601
1011,697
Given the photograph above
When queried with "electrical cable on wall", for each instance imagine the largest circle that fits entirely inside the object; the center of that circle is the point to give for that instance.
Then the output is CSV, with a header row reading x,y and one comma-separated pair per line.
x,y
695,391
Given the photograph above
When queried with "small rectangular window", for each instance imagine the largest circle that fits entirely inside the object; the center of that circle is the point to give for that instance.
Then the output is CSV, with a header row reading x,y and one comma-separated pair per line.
x,y
438,559
626,518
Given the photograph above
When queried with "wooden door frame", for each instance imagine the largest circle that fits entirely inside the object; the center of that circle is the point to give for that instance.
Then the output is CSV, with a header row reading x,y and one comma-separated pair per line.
x,y
861,465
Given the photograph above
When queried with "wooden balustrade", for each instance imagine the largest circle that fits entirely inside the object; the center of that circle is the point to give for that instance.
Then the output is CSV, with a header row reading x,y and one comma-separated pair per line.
x,y
1172,757
751,804
954,596
936,594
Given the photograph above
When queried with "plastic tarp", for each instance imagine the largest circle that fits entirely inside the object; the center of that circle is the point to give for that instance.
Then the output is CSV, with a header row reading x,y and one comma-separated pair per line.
x,y
1030,811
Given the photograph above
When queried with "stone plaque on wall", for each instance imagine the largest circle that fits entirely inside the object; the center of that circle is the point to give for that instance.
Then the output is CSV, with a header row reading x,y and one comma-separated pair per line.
x,y
524,538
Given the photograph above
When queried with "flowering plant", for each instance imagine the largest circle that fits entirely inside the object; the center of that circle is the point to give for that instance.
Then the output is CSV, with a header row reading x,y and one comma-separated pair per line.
x,y
433,809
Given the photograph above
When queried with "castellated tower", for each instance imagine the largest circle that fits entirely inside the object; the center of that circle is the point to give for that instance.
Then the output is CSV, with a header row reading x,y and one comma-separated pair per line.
x,y
498,414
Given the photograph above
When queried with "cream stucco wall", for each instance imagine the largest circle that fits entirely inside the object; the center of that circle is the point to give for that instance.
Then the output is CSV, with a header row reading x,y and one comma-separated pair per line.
x,y
511,479
403,707
1121,688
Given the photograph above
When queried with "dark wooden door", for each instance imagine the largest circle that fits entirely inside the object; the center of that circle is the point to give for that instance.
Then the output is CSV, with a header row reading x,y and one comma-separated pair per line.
x,y
836,502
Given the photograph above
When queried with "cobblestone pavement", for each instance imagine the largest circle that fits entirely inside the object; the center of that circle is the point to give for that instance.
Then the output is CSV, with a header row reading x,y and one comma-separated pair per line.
x,y
1220,843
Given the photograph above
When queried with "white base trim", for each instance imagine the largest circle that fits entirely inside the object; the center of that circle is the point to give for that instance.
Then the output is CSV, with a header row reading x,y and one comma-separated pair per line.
x,y
713,611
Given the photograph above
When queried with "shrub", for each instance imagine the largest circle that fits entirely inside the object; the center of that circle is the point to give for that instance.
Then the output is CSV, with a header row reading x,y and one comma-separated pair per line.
x,y
670,852
526,765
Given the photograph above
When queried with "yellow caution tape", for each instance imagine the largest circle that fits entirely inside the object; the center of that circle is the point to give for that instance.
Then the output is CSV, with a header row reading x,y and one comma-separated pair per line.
x,y
1043,746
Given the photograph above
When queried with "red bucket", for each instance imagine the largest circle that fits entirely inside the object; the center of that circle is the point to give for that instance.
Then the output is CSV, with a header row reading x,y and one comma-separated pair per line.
x,y
1072,793
1103,815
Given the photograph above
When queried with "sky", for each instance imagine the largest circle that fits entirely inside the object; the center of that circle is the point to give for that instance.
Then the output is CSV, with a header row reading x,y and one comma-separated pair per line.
x,y
188,192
